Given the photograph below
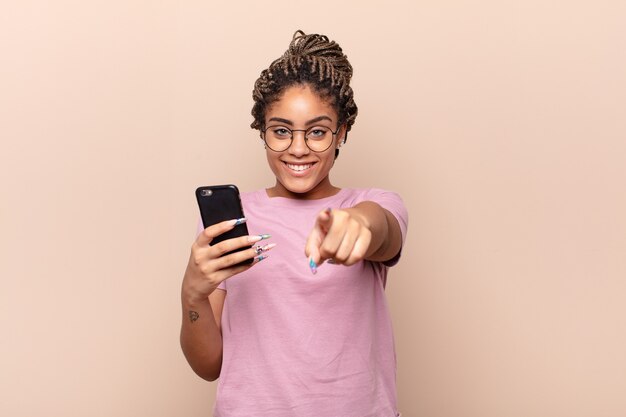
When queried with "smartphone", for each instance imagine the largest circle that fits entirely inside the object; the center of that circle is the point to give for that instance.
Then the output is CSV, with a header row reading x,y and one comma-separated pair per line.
x,y
218,203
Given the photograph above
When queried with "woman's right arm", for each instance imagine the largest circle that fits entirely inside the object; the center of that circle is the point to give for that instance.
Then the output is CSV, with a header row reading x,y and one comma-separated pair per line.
x,y
201,335
202,302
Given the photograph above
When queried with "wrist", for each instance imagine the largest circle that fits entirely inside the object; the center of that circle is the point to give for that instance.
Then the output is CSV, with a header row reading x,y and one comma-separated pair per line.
x,y
194,301
192,298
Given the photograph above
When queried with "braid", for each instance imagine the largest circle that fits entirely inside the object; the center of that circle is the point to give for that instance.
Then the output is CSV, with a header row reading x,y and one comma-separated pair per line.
x,y
310,59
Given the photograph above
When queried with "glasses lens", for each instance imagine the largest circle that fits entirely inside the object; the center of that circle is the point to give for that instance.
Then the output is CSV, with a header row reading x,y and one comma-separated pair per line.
x,y
319,138
278,138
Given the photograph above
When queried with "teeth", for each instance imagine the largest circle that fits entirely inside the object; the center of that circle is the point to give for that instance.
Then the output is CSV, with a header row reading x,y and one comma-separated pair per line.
x,y
299,167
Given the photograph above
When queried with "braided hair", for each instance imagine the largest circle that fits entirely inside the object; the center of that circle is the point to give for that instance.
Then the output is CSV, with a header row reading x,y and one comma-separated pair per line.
x,y
311,60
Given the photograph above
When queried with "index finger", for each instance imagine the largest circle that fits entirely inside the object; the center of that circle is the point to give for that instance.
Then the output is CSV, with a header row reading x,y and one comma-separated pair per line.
x,y
208,234
323,223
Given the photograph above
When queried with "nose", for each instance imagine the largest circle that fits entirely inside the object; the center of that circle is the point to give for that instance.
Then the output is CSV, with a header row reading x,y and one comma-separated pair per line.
x,y
298,145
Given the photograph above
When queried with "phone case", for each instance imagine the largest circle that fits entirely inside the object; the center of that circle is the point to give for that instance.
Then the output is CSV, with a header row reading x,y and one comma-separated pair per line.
x,y
218,203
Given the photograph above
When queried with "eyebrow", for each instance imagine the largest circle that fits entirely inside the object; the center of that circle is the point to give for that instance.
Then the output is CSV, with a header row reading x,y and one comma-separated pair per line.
x,y
310,122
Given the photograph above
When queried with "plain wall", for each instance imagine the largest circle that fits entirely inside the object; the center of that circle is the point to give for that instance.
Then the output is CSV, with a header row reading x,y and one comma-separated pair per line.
x,y
501,123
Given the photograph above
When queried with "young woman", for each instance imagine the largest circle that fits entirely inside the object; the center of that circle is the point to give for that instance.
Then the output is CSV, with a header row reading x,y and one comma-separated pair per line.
x,y
306,332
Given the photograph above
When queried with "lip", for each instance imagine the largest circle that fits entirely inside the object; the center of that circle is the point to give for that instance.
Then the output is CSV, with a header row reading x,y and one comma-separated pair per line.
x,y
298,173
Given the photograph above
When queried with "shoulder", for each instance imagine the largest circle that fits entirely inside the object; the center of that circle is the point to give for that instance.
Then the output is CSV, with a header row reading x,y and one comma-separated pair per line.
x,y
389,200
377,195
252,196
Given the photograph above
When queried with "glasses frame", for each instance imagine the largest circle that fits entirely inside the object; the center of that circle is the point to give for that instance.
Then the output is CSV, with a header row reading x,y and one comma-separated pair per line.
x,y
306,141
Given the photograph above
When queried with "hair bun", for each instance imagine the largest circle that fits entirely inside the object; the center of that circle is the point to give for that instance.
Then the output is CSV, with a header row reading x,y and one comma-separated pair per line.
x,y
310,59
314,47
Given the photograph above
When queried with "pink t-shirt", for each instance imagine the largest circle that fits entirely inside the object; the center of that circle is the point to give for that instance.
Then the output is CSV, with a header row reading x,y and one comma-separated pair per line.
x,y
304,345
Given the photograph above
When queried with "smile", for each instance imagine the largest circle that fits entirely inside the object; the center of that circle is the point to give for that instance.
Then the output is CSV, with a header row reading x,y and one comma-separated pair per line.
x,y
299,167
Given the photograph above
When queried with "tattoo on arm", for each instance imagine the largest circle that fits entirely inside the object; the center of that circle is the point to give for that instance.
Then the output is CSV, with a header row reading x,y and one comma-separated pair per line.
x,y
193,315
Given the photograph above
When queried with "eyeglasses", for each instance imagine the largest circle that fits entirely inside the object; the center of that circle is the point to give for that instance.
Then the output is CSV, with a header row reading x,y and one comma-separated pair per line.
x,y
279,138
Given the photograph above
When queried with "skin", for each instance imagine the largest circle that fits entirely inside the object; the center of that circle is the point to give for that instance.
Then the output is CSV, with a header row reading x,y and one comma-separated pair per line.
x,y
347,236
301,108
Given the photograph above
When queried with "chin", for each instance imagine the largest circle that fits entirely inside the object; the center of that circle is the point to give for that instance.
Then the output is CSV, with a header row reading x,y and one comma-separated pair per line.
x,y
298,187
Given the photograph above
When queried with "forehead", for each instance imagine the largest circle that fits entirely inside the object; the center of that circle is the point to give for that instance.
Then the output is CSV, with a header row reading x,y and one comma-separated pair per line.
x,y
300,103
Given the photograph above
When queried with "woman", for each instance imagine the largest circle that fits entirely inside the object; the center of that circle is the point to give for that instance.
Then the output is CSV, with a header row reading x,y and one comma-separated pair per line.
x,y
307,332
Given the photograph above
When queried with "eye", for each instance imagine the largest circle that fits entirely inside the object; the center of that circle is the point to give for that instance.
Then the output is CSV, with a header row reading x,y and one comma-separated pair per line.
x,y
280,132
317,132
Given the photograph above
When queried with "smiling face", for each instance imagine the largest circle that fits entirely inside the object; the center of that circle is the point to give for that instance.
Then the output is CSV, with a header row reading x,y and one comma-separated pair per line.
x,y
300,172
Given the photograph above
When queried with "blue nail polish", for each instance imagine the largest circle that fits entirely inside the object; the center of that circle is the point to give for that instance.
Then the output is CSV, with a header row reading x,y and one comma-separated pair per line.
x,y
240,221
313,266
260,258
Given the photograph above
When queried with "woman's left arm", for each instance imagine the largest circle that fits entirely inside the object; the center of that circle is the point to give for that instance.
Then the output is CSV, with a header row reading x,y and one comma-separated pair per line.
x,y
365,231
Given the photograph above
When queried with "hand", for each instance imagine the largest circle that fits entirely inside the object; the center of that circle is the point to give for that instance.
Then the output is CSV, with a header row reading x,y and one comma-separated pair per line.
x,y
207,268
341,235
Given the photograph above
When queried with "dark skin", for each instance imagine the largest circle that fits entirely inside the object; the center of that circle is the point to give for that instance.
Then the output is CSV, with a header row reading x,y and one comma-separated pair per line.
x,y
347,236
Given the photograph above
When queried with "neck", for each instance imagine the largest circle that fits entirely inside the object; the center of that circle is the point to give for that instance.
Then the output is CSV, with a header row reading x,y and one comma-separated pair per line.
x,y
322,190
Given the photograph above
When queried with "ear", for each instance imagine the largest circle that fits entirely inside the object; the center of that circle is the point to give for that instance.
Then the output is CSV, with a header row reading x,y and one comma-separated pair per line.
x,y
342,136
261,139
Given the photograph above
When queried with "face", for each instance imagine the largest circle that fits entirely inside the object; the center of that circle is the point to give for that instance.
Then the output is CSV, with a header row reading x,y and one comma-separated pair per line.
x,y
300,172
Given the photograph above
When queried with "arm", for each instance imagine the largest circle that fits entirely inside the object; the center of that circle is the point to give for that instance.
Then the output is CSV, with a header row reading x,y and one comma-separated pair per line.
x,y
365,231
201,299
201,334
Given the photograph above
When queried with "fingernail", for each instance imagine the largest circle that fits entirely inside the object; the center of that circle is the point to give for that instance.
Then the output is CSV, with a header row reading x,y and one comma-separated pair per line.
x,y
237,222
256,238
331,261
268,247
261,249
312,265
260,258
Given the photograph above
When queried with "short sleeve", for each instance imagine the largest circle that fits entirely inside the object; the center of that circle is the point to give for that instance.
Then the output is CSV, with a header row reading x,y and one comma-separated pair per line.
x,y
393,203
200,229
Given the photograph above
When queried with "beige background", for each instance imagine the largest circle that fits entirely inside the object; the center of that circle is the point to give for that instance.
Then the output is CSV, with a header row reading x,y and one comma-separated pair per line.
x,y
501,123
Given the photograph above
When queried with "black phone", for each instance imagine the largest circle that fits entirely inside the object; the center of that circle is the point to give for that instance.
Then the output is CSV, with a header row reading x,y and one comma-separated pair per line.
x,y
219,203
